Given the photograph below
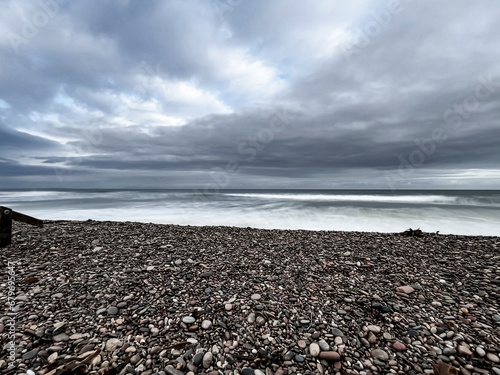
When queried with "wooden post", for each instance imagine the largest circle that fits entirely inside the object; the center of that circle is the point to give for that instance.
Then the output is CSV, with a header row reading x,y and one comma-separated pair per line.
x,y
5,226
6,217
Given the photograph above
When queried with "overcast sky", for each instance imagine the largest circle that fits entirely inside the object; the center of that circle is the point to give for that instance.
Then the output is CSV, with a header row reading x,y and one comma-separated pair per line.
x,y
217,94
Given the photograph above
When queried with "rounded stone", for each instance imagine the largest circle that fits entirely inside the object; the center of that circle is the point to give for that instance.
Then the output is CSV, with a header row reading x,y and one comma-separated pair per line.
x,y
112,344
330,356
464,351
314,349
247,371
380,354
301,344
373,328
492,357
112,310
206,324
255,297
207,359
188,319
30,355
399,346
299,358
251,318
323,345
337,332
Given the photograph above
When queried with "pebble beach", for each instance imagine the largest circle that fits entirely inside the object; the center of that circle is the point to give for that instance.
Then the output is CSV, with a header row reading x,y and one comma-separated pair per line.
x,y
135,298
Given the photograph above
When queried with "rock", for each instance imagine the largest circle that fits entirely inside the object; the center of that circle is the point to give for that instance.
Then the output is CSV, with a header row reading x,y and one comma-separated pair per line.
x,y
198,358
77,336
188,319
371,338
135,359
247,371
255,297
448,350
112,310
206,324
380,354
30,355
207,360
299,358
373,328
314,349
260,320
170,370
399,346
251,318
405,289
323,345
492,357
337,332
464,351
60,337
228,306
330,356
112,344
480,352
301,344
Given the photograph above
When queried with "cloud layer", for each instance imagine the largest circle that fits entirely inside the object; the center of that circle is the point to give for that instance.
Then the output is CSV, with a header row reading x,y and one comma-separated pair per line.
x,y
260,94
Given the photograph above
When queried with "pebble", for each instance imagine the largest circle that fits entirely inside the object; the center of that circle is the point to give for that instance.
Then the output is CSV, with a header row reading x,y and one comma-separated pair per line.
x,y
330,356
464,351
30,355
323,345
380,355
405,289
373,328
198,358
314,349
251,318
60,337
206,324
188,319
255,297
207,360
112,310
492,357
301,344
112,344
337,332
247,371
480,352
399,346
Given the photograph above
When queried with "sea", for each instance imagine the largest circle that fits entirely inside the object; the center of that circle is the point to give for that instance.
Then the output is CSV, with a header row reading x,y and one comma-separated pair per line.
x,y
463,212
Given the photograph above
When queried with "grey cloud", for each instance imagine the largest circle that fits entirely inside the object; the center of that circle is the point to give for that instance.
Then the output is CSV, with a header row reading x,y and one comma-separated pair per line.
x,y
413,81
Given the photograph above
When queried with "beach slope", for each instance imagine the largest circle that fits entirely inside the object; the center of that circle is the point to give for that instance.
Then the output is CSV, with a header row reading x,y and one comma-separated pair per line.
x,y
114,297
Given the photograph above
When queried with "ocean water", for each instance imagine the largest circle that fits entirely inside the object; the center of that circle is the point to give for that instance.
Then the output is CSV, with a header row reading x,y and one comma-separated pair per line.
x,y
449,212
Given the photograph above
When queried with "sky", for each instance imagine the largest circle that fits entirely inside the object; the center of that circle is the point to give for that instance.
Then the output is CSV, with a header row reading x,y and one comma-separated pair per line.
x,y
227,94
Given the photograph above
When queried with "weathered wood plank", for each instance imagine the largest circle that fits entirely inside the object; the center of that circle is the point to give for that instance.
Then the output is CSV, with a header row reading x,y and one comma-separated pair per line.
x,y
5,226
17,216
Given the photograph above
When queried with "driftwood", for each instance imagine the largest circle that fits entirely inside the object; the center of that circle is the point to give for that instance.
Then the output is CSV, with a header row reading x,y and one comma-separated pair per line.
x,y
6,217
413,233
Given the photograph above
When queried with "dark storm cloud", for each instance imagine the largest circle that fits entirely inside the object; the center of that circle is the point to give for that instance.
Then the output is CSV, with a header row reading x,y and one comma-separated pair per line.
x,y
272,93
